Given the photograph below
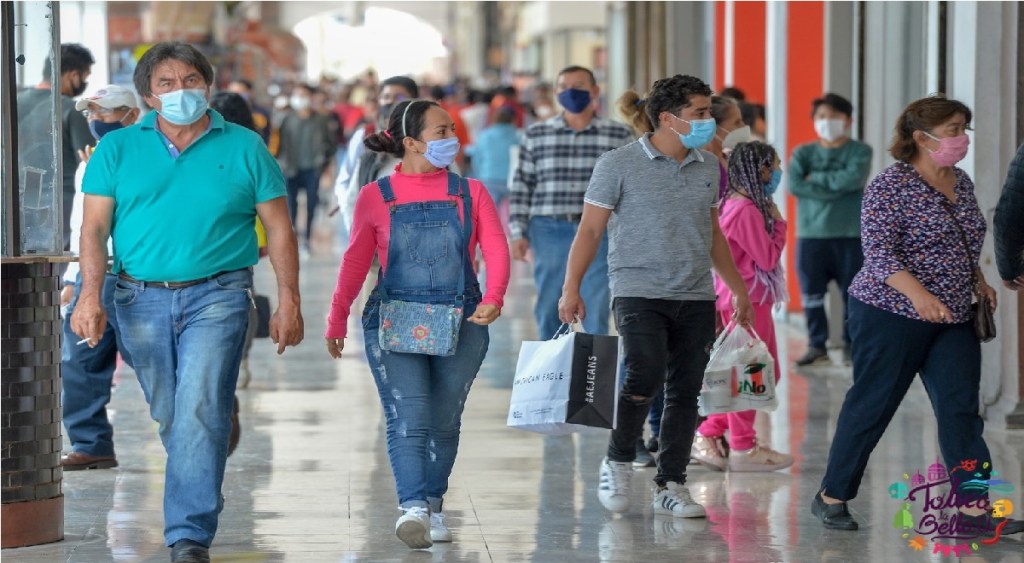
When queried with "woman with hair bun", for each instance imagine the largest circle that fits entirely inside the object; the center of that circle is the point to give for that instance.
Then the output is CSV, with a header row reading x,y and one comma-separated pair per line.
x,y
413,221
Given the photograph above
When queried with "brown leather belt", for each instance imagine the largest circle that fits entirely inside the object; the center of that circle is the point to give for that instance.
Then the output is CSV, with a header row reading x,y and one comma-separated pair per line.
x,y
170,285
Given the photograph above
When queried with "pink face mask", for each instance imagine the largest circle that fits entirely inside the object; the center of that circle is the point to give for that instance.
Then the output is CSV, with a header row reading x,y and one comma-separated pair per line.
x,y
951,149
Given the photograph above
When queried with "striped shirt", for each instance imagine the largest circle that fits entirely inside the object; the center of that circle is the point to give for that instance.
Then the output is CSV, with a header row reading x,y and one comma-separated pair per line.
x,y
555,164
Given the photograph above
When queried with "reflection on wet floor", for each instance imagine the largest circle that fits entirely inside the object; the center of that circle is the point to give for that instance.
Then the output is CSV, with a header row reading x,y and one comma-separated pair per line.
x,y
310,480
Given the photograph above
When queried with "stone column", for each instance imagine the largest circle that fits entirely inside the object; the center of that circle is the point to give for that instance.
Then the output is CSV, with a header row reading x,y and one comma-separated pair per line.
x,y
30,348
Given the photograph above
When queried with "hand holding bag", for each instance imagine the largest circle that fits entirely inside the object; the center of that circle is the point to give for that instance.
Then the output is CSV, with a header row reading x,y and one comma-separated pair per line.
x,y
426,328
566,384
740,375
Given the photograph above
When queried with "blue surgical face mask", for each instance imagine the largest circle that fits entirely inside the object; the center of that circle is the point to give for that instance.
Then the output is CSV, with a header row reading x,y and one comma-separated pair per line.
x,y
183,107
442,152
773,183
701,132
101,128
574,100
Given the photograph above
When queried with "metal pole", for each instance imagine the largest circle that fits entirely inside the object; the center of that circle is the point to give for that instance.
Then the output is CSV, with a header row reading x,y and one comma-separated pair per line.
x,y
9,134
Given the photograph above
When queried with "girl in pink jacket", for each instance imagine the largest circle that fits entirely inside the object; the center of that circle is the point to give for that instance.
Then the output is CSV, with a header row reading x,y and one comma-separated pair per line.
x,y
756,233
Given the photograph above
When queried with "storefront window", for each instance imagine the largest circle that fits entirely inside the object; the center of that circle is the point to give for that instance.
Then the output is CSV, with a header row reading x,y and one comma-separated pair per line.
x,y
29,31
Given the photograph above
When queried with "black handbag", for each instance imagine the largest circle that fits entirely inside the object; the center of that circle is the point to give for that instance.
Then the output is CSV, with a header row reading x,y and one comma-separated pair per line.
x,y
984,320
262,303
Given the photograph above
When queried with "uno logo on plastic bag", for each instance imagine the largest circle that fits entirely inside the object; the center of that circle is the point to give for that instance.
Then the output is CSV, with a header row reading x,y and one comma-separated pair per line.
x,y
753,382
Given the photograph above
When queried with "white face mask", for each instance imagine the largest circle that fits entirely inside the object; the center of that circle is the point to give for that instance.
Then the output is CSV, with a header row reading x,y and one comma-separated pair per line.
x,y
300,103
830,130
735,137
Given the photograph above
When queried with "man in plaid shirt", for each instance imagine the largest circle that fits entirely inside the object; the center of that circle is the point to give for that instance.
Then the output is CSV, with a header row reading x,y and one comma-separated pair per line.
x,y
556,158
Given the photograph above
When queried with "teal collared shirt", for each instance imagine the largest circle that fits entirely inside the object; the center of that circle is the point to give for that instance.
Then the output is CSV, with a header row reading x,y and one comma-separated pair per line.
x,y
184,218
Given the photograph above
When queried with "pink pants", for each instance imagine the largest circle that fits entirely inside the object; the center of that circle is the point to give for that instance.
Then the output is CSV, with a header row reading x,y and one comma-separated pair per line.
x,y
741,424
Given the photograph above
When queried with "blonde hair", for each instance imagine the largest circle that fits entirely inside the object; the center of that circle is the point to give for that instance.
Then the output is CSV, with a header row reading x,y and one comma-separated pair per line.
x,y
634,109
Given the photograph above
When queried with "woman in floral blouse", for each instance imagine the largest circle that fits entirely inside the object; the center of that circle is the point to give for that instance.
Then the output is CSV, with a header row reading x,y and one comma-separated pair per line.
x,y
910,307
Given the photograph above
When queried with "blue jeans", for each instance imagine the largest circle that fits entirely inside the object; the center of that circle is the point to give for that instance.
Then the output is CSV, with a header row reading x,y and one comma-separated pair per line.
x,y
423,398
550,239
889,350
187,346
87,374
819,261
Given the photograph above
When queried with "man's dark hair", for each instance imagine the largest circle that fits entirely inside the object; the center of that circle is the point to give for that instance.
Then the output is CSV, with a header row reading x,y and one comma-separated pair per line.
x,y
577,68
309,88
834,101
734,93
403,82
169,50
234,108
673,94
73,56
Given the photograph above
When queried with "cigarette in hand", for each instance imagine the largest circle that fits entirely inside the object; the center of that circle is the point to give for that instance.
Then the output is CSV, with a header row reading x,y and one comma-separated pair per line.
x,y
83,341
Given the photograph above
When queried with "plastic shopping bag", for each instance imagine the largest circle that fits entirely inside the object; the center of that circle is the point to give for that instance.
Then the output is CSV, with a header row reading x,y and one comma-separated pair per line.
x,y
565,384
740,375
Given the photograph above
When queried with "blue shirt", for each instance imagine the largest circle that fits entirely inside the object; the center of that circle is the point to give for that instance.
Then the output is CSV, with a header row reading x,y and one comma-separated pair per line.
x,y
491,152
184,218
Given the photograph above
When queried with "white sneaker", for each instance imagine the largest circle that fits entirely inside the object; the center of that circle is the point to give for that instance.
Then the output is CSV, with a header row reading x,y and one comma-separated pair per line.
x,y
758,458
439,531
413,527
675,499
613,491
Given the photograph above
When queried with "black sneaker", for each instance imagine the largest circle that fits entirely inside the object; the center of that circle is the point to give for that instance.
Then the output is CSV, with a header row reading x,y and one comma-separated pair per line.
x,y
643,457
833,516
814,357
987,525
188,551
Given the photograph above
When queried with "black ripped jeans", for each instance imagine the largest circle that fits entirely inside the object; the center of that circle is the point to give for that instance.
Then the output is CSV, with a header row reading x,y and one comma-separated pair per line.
x,y
666,345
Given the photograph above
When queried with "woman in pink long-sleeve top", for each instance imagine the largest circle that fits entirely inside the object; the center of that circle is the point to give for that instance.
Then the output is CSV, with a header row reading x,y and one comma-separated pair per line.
x,y
415,222
756,233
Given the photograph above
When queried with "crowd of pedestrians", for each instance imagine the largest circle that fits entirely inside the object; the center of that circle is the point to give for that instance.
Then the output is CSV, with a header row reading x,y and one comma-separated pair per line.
x,y
669,226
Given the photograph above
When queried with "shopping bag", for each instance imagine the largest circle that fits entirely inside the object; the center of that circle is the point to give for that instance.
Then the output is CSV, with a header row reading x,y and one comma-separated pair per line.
x,y
740,374
566,384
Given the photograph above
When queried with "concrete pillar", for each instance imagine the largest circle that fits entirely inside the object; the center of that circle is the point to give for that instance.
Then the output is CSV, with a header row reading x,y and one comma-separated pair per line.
x,y
894,62
838,73
688,40
982,71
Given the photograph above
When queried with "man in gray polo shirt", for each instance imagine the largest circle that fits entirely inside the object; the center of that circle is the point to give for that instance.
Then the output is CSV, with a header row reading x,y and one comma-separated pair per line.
x,y
658,199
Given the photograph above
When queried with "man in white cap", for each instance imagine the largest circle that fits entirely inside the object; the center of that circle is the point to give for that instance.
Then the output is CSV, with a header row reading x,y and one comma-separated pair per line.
x,y
87,372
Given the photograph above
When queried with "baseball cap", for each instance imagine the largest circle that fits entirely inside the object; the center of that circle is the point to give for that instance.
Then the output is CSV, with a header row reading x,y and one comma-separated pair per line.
x,y
110,97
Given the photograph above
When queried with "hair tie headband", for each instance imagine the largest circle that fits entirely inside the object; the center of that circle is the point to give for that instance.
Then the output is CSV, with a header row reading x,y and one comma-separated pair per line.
x,y
640,102
387,133
405,133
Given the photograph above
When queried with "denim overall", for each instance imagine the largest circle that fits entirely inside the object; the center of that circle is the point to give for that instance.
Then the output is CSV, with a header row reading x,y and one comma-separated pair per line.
x,y
423,396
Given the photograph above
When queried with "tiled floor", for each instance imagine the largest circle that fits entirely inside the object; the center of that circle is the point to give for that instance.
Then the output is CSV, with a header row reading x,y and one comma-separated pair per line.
x,y
310,481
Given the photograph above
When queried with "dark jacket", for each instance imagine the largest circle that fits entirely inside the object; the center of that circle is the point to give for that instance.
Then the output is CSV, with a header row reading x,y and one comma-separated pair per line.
x,y
305,144
1009,221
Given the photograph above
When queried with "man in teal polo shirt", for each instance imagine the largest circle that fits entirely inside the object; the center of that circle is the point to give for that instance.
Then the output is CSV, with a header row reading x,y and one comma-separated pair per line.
x,y
179,194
